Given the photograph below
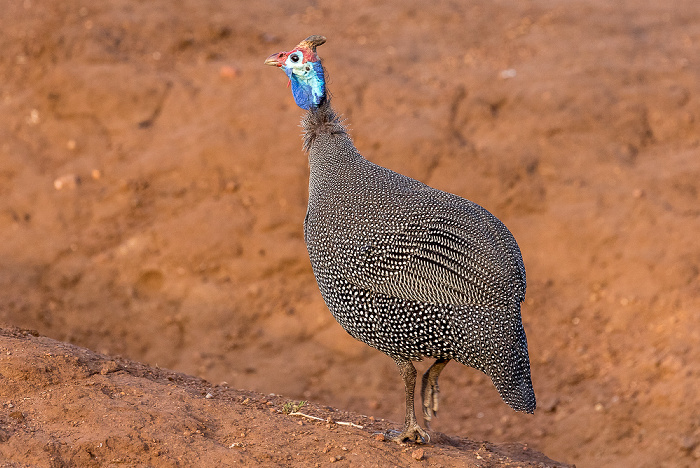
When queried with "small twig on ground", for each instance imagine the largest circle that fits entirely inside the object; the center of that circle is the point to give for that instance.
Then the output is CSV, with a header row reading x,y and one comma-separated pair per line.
x,y
342,423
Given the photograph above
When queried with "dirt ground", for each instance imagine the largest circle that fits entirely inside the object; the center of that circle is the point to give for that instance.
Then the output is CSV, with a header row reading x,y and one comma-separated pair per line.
x,y
68,406
153,188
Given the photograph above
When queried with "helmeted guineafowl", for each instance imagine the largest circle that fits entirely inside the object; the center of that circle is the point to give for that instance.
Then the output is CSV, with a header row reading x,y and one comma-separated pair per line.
x,y
410,270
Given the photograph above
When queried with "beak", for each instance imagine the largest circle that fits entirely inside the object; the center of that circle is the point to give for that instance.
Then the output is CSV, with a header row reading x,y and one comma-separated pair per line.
x,y
276,59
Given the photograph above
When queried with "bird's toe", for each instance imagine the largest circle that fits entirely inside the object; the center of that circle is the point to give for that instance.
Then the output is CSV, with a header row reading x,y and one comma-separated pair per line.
x,y
412,433
430,403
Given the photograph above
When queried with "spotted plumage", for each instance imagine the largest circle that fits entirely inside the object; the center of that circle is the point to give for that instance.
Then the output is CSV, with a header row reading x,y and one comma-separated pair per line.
x,y
412,271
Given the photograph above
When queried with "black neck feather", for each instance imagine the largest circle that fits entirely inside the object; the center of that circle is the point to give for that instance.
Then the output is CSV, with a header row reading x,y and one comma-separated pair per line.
x,y
321,120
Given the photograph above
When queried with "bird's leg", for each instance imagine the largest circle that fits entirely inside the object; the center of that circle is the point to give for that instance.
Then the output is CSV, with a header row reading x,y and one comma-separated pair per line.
x,y
411,430
430,390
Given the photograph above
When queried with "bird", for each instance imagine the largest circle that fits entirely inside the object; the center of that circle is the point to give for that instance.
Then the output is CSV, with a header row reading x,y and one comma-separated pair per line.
x,y
410,270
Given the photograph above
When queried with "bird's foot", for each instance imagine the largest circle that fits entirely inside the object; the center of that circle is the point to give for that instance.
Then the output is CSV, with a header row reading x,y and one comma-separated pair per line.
x,y
412,433
430,402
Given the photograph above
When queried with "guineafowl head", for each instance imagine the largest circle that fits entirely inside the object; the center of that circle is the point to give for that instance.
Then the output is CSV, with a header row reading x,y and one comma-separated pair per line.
x,y
303,67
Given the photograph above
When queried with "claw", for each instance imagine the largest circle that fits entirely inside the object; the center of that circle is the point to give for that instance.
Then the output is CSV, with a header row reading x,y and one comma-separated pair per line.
x,y
411,434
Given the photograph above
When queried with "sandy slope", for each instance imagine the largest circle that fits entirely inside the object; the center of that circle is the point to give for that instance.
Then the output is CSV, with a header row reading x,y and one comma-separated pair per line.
x,y
67,406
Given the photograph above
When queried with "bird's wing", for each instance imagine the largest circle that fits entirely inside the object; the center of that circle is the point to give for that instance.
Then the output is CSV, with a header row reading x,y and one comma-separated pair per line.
x,y
451,251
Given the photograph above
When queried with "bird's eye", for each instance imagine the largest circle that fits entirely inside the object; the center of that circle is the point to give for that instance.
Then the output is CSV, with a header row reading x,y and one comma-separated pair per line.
x,y
294,58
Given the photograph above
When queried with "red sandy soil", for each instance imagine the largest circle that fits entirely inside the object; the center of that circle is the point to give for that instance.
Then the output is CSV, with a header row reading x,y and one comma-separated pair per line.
x,y
68,406
153,187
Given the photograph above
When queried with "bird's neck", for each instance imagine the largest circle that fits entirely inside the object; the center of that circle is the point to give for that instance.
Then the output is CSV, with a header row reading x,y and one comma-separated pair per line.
x,y
326,140
321,120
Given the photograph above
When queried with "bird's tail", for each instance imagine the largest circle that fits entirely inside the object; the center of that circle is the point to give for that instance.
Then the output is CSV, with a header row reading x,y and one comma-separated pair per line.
x,y
512,379
493,341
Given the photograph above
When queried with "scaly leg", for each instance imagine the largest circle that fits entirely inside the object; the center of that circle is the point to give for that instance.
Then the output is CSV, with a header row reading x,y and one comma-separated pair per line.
x,y
411,430
430,390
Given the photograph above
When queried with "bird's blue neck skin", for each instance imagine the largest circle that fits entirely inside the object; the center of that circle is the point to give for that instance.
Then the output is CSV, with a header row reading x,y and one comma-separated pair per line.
x,y
308,83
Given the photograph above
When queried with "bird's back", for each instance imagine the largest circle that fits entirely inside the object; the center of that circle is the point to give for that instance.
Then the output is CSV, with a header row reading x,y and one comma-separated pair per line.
x,y
397,236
